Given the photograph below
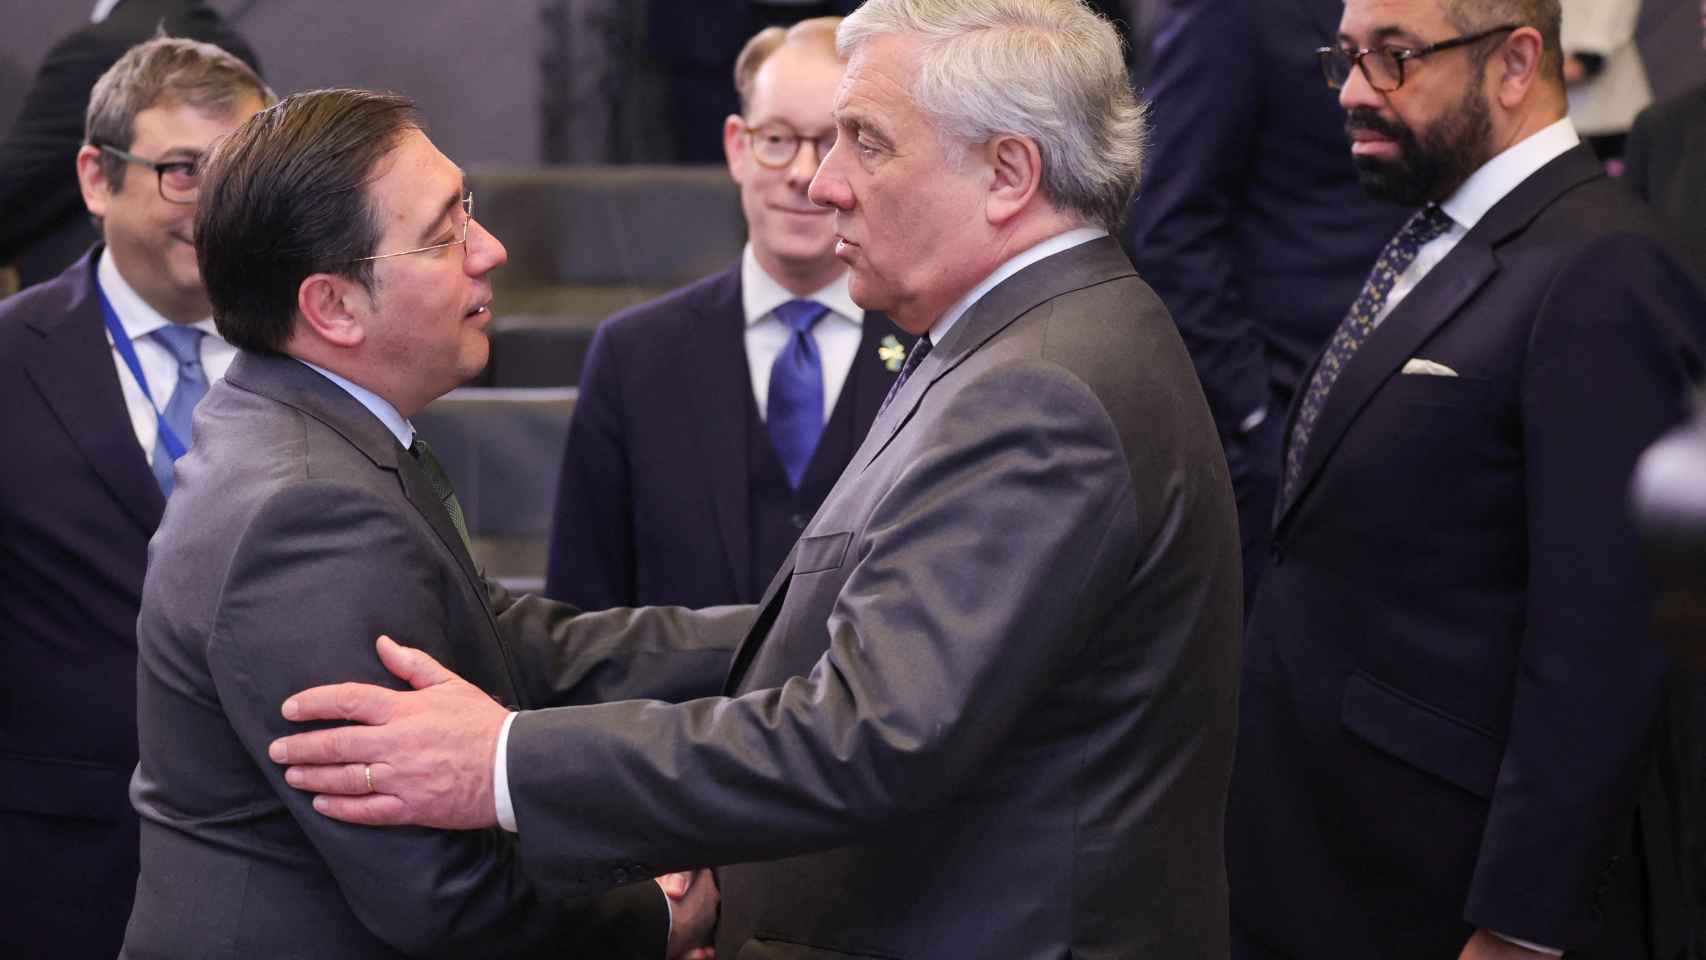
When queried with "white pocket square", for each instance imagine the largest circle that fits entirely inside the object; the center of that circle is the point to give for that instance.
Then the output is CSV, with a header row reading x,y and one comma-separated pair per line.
x,y
1428,368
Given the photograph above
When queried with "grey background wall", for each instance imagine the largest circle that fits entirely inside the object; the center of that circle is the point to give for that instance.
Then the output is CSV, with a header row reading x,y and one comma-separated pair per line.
x,y
473,67
478,69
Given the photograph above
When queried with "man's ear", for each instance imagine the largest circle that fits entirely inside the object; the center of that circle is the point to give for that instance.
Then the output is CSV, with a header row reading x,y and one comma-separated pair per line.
x,y
332,309
1016,167
1516,69
92,180
735,148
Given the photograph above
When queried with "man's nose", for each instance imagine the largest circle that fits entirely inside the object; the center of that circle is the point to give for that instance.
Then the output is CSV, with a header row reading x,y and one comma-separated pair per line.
x,y
483,252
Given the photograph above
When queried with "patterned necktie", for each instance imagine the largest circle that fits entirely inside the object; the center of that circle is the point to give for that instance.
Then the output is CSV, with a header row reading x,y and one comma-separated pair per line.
x,y
185,346
920,350
1428,224
794,408
441,488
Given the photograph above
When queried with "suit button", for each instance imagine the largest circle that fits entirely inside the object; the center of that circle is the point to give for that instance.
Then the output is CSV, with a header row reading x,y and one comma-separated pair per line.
x,y
619,875
797,520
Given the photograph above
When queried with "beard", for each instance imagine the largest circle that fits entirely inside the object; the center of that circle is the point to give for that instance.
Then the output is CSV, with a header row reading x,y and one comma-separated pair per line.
x,y
1429,167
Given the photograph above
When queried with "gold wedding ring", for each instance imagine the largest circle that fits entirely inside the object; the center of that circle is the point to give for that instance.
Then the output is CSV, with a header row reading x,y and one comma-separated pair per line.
x,y
367,771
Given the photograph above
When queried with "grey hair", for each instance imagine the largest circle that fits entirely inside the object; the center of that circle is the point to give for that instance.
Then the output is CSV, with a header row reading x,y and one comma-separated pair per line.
x,y
1050,70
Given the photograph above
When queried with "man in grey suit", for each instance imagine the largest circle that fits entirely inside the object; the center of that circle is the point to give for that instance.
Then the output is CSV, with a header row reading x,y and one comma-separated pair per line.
x,y
986,707
340,254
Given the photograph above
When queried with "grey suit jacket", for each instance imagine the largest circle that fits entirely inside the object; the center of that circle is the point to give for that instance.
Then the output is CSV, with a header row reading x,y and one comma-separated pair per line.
x,y
987,707
298,531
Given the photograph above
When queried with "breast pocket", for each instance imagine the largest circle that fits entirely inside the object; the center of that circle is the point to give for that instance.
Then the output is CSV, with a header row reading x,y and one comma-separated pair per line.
x,y
824,552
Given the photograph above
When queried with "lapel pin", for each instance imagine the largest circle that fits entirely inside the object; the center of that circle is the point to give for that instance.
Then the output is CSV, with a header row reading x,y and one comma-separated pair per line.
x,y
891,353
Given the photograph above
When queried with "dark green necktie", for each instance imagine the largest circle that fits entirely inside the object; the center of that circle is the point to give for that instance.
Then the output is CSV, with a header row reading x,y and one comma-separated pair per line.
x,y
441,488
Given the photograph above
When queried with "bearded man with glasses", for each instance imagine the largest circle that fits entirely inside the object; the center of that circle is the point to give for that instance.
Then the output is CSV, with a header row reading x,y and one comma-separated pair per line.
x,y
1450,694
713,421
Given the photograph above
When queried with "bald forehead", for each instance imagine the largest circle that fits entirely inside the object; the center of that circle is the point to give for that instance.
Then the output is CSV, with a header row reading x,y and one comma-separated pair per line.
x,y
1369,22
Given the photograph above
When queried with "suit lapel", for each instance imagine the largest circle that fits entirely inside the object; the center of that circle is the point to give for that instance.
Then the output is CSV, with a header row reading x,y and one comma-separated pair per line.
x,y
717,356
1087,264
1435,301
71,366
869,380
293,384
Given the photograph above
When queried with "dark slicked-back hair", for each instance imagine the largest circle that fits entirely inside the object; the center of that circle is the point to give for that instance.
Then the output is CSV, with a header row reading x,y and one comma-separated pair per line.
x,y
284,197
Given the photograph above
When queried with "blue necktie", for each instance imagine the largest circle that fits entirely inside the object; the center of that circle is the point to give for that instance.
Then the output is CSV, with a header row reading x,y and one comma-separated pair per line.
x,y
1428,224
185,345
794,411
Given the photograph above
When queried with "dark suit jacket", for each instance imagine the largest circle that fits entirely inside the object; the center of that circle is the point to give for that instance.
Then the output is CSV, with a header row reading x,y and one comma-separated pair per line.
x,y
654,502
987,707
1449,684
299,529
77,506
1666,166
1250,222
45,226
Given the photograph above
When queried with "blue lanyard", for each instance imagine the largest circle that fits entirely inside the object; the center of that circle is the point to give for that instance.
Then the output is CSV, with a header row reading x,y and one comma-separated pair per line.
x,y
174,447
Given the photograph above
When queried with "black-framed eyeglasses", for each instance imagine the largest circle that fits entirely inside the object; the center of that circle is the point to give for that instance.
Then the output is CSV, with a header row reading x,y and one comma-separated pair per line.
x,y
179,180
1383,67
776,144
467,218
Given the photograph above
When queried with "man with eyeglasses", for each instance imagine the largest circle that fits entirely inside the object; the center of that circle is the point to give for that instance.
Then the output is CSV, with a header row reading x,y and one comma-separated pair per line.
x,y
1449,693
342,258
99,370
713,421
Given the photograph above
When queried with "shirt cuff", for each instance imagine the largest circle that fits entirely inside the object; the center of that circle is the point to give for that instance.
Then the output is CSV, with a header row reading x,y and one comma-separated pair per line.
x,y
500,778
1549,951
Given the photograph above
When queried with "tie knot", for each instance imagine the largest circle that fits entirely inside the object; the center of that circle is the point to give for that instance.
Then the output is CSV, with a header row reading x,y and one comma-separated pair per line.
x,y
801,315
1426,225
183,342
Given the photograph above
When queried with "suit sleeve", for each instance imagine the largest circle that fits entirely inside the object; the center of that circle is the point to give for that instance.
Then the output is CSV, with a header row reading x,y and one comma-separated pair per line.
x,y
979,566
592,533
1604,378
1204,95
302,600
564,657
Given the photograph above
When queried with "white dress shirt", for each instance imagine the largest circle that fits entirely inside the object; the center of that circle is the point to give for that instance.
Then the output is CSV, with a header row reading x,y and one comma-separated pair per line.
x,y
1479,194
837,335
138,320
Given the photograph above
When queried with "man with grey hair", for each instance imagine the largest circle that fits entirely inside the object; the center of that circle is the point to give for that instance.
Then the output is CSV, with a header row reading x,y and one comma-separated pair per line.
x,y
1450,692
986,707
99,370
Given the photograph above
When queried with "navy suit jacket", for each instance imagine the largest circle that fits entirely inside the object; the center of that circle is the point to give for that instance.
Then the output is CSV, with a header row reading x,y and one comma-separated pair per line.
x,y
77,506
654,503
1250,223
1450,688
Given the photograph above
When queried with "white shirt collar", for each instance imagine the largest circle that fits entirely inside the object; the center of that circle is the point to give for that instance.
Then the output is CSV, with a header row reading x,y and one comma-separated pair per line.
x,y
402,429
134,314
1058,243
1502,174
760,294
